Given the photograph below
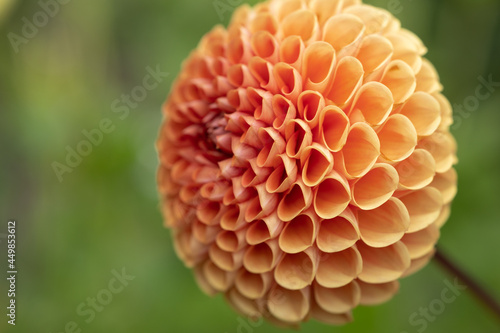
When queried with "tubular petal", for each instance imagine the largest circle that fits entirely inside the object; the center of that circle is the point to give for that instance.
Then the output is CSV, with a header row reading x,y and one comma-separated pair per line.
x,y
423,111
337,300
253,286
296,271
386,264
309,106
343,30
446,183
298,136
319,62
334,127
288,305
374,53
374,102
348,78
331,196
360,151
302,23
398,138
338,233
316,162
384,225
375,188
417,171
288,80
338,269
218,279
373,294
298,234
292,50
421,242
295,201
424,207
400,80
261,258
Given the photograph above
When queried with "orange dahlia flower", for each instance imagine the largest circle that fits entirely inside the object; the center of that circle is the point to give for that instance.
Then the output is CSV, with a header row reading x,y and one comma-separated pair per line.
x,y
306,159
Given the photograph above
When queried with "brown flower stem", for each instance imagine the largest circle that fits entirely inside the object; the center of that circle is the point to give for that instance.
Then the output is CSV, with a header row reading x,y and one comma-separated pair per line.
x,y
481,293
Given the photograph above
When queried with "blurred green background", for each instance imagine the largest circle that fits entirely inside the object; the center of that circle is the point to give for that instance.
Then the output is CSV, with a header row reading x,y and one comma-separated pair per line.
x,y
104,214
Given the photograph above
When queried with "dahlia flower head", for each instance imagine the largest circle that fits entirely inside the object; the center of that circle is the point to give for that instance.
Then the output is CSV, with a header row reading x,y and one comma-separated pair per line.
x,y
306,163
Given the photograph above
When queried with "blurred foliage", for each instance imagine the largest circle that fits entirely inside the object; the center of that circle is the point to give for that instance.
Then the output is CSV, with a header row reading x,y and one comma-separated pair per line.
x,y
104,215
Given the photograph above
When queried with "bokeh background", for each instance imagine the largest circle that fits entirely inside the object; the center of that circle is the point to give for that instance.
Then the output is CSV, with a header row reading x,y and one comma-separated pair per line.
x,y
104,215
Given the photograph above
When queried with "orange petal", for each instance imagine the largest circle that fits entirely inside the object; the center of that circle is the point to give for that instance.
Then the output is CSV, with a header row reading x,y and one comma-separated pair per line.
x,y
298,136
427,78
374,53
273,145
288,305
373,103
331,196
418,263
295,201
337,300
239,76
360,152
288,80
283,176
376,187
340,268
323,316
265,46
302,23
338,233
334,127
262,205
228,261
442,146
263,230
262,70
296,271
398,138
319,63
343,30
384,225
253,286
243,305
446,183
348,78
386,264
424,112
231,241
299,233
374,294
291,51
317,162
217,278
400,80
284,111
424,207
310,103
417,171
264,22
262,258
421,242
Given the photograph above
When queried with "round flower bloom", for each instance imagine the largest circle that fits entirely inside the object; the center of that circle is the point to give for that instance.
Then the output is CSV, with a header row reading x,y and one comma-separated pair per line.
x,y
306,159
